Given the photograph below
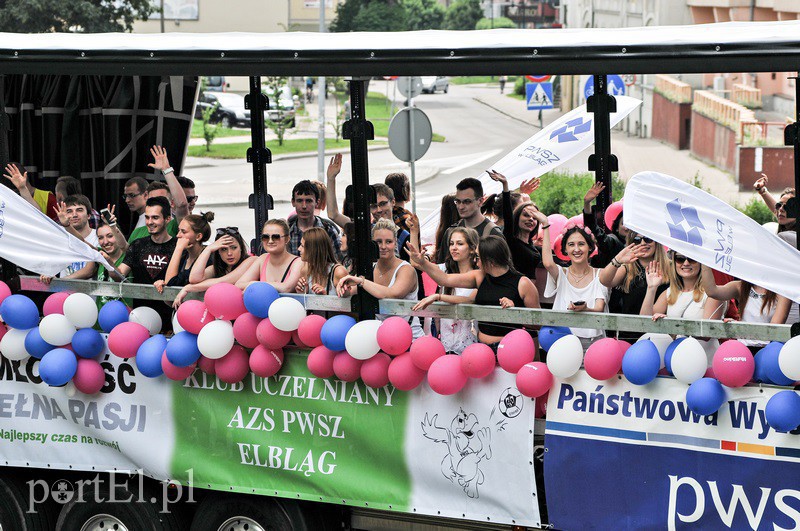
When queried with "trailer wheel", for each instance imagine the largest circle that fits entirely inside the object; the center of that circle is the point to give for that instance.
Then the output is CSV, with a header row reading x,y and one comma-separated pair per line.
x,y
91,515
239,513
14,505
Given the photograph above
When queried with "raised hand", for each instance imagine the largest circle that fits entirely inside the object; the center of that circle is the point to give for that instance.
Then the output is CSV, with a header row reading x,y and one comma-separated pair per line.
x,y
335,166
499,178
629,254
19,180
424,303
540,217
528,187
225,241
654,274
414,254
112,219
761,182
61,212
412,222
593,192
160,158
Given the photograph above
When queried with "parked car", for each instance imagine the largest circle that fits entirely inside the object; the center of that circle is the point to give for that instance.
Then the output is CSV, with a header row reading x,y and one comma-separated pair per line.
x,y
430,84
216,84
283,106
230,111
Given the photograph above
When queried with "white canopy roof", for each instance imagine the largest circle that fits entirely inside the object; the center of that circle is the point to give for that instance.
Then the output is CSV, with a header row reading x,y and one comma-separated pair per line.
x,y
733,46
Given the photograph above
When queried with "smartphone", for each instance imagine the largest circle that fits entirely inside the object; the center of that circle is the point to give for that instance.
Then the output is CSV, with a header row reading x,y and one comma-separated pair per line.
x,y
106,215
578,303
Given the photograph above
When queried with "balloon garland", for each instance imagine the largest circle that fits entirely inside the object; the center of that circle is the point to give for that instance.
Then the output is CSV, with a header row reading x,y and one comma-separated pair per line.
x,y
232,333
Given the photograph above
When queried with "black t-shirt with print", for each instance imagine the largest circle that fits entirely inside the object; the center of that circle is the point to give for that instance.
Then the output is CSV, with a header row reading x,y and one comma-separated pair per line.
x,y
149,260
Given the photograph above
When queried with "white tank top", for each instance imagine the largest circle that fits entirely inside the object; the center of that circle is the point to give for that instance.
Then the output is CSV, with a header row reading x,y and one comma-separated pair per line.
x,y
752,314
416,326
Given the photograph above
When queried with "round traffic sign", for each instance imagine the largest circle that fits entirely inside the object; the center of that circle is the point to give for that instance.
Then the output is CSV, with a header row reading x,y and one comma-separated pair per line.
x,y
629,79
410,87
389,78
538,79
400,134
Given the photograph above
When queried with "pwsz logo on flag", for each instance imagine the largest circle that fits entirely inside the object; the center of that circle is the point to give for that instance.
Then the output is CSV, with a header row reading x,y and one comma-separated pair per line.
x,y
572,130
2,217
685,224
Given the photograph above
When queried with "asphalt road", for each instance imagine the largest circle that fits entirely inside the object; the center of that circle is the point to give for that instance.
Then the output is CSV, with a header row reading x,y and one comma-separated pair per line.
x,y
476,136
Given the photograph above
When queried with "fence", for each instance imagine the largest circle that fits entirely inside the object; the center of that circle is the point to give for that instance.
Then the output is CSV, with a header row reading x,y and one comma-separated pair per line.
x,y
673,89
750,97
761,134
722,110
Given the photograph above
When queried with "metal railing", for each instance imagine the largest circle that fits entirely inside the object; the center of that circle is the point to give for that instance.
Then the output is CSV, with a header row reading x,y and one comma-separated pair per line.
x,y
519,316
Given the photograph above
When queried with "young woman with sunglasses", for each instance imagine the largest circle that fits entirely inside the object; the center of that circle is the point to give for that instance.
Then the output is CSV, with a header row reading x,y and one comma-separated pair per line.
x,y
391,278
626,276
456,334
497,283
229,260
276,266
685,297
577,287
777,207
320,272
756,304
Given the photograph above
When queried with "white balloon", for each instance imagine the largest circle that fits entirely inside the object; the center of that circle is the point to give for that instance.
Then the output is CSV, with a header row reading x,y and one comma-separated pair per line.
x,y
565,356
81,310
176,326
789,358
12,346
215,339
56,329
69,389
689,362
148,318
661,341
286,313
361,341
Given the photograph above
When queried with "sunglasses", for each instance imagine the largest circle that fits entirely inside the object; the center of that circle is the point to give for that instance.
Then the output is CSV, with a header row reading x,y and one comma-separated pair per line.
x,y
230,231
130,196
680,259
639,239
191,198
466,202
272,237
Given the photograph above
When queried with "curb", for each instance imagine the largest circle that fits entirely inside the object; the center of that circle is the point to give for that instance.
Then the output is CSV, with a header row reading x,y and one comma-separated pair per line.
x,y
507,114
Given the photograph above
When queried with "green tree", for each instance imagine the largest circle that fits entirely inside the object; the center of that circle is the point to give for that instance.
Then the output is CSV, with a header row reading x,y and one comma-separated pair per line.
x,y
496,22
463,15
423,14
274,86
369,15
89,16
345,15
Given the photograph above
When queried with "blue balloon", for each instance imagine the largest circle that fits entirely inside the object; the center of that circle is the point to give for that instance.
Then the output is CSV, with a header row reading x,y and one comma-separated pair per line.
x,y
641,362
58,367
18,311
148,357
111,314
705,396
550,334
35,345
668,353
334,331
182,349
783,411
258,297
767,368
88,343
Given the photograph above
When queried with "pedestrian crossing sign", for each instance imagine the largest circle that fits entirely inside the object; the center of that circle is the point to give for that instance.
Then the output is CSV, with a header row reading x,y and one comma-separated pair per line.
x,y
539,95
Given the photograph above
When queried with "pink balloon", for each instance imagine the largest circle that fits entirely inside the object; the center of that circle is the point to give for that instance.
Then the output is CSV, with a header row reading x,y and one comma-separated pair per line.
x,y
244,330
346,367
375,371
733,364
266,362
233,366
173,372
225,301
576,220
425,350
603,359
296,341
541,406
270,337
309,330
193,315
557,223
54,303
477,360
5,291
126,338
612,213
89,377
515,350
534,379
320,361
207,365
709,373
556,245
445,375
395,336
403,374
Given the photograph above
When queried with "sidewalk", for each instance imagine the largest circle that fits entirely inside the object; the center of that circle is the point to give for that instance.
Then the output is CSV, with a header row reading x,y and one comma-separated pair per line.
x,y
634,154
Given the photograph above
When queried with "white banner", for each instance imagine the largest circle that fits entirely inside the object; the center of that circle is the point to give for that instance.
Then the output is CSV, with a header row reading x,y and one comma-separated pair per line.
x,y
697,224
541,153
32,241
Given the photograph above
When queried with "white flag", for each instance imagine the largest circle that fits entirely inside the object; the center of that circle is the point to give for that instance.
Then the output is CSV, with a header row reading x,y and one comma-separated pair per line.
x,y
543,152
697,224
32,241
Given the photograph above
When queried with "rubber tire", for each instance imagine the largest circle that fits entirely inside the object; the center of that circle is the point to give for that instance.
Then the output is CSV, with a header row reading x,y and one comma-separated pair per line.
x,y
14,504
226,122
217,508
446,88
136,516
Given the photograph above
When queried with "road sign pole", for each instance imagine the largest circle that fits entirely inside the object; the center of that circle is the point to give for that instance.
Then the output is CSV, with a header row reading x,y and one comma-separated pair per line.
x,y
411,142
